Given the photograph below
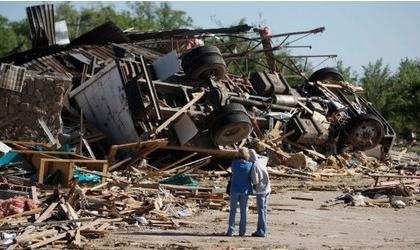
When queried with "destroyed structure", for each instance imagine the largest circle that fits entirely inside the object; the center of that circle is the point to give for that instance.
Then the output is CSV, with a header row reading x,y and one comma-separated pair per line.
x,y
165,101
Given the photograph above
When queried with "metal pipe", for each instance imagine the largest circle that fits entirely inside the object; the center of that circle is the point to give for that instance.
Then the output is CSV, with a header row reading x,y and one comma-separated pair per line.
x,y
248,102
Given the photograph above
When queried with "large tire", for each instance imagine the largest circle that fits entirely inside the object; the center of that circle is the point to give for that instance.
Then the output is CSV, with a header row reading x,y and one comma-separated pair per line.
x,y
326,74
203,63
364,132
199,51
230,129
230,124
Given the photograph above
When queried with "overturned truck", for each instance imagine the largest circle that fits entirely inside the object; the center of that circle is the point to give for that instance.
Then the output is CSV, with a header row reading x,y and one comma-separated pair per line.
x,y
133,86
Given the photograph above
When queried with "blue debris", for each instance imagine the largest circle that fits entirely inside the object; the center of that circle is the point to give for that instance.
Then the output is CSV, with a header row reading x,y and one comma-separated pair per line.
x,y
180,179
86,178
10,157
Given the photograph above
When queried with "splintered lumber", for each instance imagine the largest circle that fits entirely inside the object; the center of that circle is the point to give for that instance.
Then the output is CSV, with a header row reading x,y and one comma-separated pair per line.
x,y
279,152
162,170
198,163
309,151
47,213
197,96
139,144
280,174
49,223
180,187
34,195
32,236
224,154
48,241
71,233
119,164
52,153
26,213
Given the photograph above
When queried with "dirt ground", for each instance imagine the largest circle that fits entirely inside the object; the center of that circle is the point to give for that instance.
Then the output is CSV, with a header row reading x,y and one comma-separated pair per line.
x,y
308,227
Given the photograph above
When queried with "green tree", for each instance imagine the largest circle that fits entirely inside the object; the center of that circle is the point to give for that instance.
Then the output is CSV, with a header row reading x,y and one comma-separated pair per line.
x,y
404,96
8,35
376,82
348,74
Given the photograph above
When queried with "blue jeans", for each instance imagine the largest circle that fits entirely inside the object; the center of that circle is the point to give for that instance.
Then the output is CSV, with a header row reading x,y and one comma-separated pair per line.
x,y
243,202
262,214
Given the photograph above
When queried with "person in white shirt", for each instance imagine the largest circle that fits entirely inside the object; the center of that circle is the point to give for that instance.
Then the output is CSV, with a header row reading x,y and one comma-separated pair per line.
x,y
261,188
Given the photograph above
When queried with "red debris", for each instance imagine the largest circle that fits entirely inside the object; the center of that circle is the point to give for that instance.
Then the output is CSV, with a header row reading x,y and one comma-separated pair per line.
x,y
15,205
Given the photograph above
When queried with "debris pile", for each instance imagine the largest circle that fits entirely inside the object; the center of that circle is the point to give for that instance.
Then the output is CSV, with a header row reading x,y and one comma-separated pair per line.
x,y
120,129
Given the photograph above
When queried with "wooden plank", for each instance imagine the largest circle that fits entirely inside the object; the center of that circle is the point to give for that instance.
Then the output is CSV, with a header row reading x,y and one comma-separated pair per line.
x,y
63,235
34,195
280,174
279,152
26,213
310,151
85,142
114,148
48,241
225,154
32,236
77,238
197,96
46,214
302,198
169,166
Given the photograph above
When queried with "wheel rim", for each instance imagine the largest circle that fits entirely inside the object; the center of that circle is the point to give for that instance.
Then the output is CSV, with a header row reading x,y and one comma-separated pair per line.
x,y
366,134
232,133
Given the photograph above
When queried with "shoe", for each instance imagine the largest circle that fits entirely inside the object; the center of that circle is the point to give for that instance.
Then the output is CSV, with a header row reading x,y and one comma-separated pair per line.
x,y
242,235
257,235
228,234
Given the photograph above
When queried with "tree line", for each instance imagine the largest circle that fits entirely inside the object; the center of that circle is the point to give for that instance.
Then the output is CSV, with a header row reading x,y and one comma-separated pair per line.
x,y
395,94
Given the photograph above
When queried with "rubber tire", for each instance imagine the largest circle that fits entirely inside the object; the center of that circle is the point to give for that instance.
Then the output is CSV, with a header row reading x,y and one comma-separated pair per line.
x,y
206,66
202,62
355,124
326,74
198,51
223,126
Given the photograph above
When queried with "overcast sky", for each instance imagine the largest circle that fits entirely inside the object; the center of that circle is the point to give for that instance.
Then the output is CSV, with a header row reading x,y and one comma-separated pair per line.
x,y
358,32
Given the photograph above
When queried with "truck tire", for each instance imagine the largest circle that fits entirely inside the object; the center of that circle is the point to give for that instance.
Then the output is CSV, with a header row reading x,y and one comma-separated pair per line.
x,y
230,129
326,74
364,132
230,124
203,63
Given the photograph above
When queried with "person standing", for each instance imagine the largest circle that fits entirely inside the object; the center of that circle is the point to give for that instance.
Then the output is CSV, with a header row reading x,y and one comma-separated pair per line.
x,y
261,188
239,190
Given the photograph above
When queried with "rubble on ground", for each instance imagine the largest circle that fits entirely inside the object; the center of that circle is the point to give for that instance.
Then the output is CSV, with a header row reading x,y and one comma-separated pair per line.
x,y
126,129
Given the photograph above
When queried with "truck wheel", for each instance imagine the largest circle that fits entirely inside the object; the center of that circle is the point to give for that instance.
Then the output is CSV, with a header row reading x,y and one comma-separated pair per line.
x,y
231,128
204,63
326,74
365,132
230,125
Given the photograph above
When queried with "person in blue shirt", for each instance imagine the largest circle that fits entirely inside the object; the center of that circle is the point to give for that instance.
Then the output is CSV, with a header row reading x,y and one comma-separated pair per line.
x,y
239,190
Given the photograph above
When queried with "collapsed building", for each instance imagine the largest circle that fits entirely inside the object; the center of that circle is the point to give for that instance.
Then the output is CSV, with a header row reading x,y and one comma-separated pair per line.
x,y
109,87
